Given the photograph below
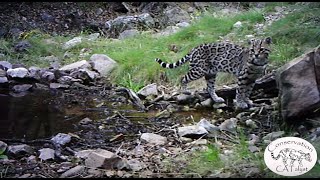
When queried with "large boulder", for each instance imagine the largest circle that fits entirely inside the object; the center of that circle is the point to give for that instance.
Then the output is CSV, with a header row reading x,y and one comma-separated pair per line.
x,y
299,84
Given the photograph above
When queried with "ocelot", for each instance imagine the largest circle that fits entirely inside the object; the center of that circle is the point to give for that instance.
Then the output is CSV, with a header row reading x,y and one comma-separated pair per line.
x,y
246,63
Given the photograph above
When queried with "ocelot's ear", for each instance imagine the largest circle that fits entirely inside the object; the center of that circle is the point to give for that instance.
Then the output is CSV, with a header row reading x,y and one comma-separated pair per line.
x,y
268,40
250,41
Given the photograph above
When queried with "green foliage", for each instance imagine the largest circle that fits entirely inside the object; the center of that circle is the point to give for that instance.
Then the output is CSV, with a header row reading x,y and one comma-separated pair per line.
x,y
2,155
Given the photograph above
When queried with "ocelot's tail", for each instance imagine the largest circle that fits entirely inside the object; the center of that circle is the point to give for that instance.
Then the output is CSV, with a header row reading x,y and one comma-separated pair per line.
x,y
173,65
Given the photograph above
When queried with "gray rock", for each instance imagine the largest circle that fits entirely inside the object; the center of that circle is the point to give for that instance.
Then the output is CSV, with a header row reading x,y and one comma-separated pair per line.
x,y
61,138
135,164
75,66
22,46
73,171
102,63
182,24
68,80
219,105
253,149
253,139
3,147
207,103
3,80
47,76
20,149
93,37
21,88
273,135
153,138
3,73
176,15
46,153
91,74
58,86
34,72
5,65
32,159
251,123
167,31
208,126
84,153
72,43
184,98
229,125
298,84
192,130
128,34
17,72
237,24
102,159
150,89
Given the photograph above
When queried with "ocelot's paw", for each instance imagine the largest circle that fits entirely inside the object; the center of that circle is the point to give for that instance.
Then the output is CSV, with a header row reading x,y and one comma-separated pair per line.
x,y
218,100
249,102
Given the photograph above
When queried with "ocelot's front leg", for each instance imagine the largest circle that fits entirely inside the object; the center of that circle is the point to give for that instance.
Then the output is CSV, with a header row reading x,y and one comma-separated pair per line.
x,y
211,78
243,93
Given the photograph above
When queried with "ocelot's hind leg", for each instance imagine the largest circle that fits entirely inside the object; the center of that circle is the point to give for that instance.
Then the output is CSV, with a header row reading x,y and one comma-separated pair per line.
x,y
211,79
193,74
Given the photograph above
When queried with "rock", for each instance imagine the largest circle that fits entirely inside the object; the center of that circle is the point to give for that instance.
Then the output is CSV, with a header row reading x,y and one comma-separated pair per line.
x,y
153,138
229,125
68,80
21,88
249,36
85,121
3,80
207,103
85,74
189,131
84,153
72,43
46,153
182,24
128,34
102,63
151,89
116,26
73,171
17,72
101,158
208,126
34,72
5,65
253,139
32,159
61,139
184,99
251,123
20,149
93,37
3,147
253,148
237,24
135,164
199,142
75,66
176,15
298,83
47,76
219,105
273,135
22,46
58,86
167,31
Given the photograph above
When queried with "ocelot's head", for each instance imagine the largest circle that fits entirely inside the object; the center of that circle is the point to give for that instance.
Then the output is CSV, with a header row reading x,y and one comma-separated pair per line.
x,y
259,51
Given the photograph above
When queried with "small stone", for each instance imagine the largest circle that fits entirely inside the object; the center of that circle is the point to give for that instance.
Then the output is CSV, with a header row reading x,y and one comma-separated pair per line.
x,y
20,149
153,138
273,135
21,88
251,123
194,130
61,139
85,121
73,171
72,43
102,159
253,149
17,72
229,124
46,153
237,24
59,86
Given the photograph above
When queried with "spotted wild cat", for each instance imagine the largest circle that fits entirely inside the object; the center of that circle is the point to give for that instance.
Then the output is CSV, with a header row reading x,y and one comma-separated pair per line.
x,y
246,63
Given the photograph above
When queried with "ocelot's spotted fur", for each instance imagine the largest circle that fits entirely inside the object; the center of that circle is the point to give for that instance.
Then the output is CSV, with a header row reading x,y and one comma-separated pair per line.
x,y
246,63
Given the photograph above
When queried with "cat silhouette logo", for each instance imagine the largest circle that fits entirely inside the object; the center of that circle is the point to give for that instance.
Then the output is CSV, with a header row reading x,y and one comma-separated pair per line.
x,y
290,156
